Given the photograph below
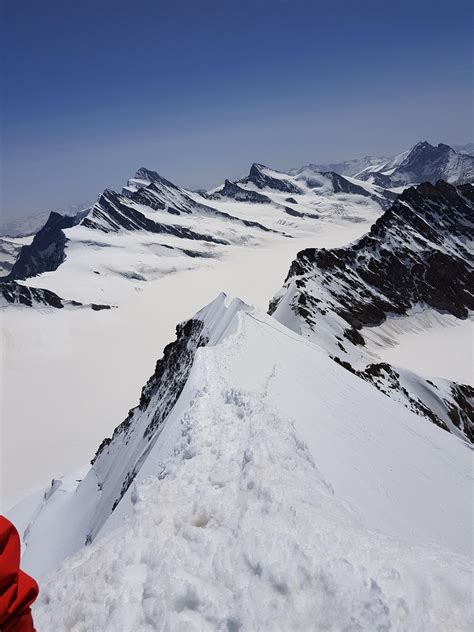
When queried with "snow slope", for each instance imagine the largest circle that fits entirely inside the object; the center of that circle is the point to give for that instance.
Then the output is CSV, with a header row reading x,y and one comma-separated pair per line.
x,y
428,342
108,355
416,256
269,501
156,254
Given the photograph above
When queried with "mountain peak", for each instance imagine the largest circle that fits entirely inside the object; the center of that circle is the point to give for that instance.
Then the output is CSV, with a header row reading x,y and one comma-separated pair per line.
x,y
147,174
257,168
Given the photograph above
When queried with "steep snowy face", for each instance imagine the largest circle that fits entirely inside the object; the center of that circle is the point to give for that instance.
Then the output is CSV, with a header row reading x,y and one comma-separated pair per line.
x,y
265,500
416,254
423,163
119,459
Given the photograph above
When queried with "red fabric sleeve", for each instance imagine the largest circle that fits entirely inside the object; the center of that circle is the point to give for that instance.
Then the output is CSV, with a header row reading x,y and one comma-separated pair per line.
x,y
17,589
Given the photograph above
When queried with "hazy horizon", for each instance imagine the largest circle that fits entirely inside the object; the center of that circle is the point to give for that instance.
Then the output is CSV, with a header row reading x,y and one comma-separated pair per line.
x,y
76,205
203,89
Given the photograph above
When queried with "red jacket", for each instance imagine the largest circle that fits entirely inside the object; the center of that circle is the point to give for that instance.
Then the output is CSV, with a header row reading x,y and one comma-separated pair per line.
x,y
17,589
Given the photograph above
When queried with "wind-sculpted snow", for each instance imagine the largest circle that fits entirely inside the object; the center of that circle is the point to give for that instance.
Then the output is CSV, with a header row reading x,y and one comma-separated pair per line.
x,y
268,502
416,253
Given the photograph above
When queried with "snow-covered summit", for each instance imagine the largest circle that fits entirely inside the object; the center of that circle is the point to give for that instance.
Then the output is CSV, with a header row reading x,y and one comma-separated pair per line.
x,y
422,163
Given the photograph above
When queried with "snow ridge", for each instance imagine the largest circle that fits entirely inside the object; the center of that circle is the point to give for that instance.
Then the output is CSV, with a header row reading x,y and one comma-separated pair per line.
x,y
237,531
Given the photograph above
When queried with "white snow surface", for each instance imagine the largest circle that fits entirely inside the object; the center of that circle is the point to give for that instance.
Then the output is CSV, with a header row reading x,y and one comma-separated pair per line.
x,y
428,342
283,493
102,359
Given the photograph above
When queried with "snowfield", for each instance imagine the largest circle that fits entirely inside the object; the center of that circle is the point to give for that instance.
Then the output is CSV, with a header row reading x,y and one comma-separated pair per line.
x,y
427,342
272,502
107,356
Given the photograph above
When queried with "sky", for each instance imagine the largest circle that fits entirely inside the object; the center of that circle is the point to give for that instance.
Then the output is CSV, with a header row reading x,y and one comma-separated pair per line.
x,y
198,90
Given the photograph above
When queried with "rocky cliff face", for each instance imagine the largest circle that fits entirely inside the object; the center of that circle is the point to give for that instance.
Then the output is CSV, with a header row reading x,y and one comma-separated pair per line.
x,y
119,458
13,293
416,252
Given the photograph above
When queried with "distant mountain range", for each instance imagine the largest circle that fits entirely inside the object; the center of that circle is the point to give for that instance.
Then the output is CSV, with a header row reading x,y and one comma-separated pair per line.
x,y
192,224
369,164
358,167
422,163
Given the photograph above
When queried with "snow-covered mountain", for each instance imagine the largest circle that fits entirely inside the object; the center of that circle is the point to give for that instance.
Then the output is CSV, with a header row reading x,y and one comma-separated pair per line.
x,y
422,163
467,148
244,491
94,240
416,256
347,167
154,227
301,189
275,472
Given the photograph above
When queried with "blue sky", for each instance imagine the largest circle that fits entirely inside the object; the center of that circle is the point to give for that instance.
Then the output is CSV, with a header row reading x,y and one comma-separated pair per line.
x,y
92,90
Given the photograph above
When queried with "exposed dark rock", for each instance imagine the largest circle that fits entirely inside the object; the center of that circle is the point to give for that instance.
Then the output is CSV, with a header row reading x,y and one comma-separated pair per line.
x,y
415,253
159,395
111,214
232,190
262,180
18,294
46,252
386,274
